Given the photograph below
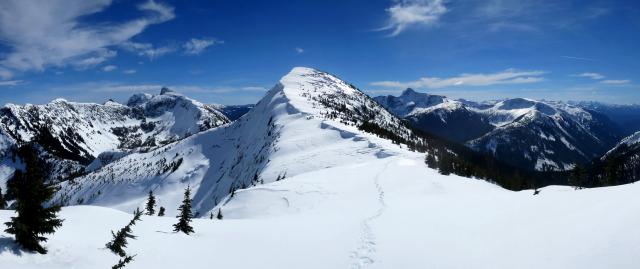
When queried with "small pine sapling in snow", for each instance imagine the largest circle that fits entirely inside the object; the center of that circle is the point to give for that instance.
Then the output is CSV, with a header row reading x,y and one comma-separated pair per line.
x,y
119,241
211,215
185,216
161,211
151,203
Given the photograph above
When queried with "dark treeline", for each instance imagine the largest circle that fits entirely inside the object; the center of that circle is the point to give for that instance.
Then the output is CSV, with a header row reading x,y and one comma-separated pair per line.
x,y
453,158
621,166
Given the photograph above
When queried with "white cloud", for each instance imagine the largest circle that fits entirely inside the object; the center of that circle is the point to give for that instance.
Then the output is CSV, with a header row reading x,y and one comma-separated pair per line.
x,y
299,50
130,71
5,73
147,49
594,76
109,68
616,81
509,76
52,33
96,59
11,82
196,46
406,13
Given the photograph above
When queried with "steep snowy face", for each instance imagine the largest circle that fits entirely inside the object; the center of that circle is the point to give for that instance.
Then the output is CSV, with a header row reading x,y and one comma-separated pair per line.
x,y
523,132
71,135
308,121
628,144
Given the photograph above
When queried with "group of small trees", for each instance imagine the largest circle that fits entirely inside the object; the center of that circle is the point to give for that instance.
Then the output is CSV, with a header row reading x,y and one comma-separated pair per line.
x,y
36,217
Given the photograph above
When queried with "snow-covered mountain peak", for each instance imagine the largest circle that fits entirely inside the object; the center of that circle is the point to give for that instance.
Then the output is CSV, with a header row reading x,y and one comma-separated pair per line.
x,y
326,96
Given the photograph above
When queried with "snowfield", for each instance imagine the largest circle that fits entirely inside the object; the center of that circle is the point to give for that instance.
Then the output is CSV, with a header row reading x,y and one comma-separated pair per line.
x,y
392,212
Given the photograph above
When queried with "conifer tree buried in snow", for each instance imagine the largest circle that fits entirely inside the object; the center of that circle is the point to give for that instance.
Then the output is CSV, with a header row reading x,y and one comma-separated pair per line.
x,y
161,211
151,203
33,219
185,216
119,241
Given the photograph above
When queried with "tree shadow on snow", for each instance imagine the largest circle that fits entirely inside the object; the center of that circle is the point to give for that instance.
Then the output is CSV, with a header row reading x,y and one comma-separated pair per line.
x,y
7,244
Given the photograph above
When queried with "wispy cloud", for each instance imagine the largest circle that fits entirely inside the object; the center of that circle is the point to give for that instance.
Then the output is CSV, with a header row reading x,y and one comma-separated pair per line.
x,y
509,76
109,68
5,73
147,49
577,58
129,71
299,50
616,81
196,46
11,82
407,13
50,33
594,76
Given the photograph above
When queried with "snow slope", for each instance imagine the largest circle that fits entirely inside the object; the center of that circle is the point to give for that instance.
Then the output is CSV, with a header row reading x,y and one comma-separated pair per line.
x,y
308,121
391,212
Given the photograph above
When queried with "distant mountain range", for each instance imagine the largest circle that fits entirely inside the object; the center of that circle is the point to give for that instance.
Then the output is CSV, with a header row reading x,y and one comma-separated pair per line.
x,y
70,135
536,135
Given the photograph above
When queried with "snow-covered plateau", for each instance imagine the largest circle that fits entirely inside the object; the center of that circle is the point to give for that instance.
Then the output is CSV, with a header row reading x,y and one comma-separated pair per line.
x,y
299,185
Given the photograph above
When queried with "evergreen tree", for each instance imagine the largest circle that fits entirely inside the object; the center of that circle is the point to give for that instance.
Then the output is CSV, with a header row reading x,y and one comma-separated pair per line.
x,y
122,262
161,212
119,241
185,216
211,215
219,214
151,203
33,219
3,203
576,177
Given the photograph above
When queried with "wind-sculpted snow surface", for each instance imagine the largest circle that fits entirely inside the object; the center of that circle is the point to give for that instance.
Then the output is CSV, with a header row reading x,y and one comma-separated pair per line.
x,y
308,121
415,218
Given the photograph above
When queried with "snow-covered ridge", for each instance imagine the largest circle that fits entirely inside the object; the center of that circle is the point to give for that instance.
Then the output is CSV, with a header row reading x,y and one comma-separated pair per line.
x,y
632,139
631,142
308,121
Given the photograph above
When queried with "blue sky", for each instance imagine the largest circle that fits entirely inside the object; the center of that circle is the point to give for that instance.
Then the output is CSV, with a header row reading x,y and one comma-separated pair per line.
x,y
231,52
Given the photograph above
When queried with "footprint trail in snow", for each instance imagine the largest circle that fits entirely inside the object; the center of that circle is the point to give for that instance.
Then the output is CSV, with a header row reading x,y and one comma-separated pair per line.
x,y
363,255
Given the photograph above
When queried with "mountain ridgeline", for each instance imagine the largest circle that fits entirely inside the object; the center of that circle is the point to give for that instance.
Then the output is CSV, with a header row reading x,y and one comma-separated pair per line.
x,y
532,135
